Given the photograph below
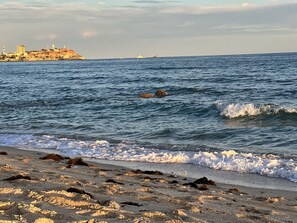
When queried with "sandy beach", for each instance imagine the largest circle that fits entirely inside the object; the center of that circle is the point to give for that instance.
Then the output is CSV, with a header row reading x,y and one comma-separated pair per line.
x,y
73,190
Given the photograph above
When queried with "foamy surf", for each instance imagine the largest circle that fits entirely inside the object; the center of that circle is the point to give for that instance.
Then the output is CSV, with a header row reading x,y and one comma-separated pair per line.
x,y
230,160
242,110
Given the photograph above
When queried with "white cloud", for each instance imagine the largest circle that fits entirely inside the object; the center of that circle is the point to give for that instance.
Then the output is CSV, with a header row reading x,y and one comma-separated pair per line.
x,y
205,9
89,34
46,37
254,28
245,5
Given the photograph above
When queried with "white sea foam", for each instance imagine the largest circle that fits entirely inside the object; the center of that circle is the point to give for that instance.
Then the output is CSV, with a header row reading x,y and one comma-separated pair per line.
x,y
241,110
263,164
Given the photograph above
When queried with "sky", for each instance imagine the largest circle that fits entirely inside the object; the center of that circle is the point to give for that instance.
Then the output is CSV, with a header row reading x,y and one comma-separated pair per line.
x,y
127,28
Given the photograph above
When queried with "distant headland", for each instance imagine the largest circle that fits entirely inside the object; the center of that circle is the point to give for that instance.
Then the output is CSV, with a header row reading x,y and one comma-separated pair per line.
x,y
40,55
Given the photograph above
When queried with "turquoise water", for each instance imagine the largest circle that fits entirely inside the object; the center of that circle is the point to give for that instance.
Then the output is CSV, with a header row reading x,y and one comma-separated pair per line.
x,y
236,113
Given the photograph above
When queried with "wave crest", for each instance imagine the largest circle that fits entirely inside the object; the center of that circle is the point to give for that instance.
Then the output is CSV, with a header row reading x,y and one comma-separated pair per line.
x,y
242,110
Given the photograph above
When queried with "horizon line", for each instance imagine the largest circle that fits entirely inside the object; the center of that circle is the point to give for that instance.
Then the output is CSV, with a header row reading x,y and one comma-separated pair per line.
x,y
203,55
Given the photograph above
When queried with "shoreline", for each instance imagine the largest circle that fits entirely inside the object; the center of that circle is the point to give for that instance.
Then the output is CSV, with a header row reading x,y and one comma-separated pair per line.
x,y
255,181
55,191
192,171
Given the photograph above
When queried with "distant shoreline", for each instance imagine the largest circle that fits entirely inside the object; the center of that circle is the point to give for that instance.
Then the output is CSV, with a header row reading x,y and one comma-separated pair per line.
x,y
183,56
147,58
53,54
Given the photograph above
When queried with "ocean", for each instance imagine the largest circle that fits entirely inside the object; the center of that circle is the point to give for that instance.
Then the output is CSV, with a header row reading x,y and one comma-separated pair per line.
x,y
235,113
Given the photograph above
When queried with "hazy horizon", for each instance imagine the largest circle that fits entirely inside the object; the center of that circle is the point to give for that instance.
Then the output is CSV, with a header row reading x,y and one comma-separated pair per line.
x,y
127,28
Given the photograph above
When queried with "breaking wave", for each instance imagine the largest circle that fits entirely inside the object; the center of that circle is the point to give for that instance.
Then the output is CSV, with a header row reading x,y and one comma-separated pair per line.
x,y
230,160
242,110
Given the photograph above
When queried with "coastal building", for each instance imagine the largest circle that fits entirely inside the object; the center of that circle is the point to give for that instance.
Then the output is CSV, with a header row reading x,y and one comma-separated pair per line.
x,y
20,50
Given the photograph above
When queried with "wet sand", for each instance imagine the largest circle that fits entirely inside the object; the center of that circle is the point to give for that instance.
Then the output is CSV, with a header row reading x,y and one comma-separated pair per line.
x,y
46,190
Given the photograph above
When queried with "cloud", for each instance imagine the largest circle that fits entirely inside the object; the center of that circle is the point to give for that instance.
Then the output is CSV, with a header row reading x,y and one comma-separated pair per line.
x,y
208,9
46,37
154,1
19,5
254,28
245,4
89,34
148,1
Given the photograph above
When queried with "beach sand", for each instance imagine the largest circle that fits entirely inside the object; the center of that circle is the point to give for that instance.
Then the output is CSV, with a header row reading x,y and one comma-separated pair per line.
x,y
46,191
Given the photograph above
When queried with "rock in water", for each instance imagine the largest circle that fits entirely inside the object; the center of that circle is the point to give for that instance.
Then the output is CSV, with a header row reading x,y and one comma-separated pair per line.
x,y
161,93
146,95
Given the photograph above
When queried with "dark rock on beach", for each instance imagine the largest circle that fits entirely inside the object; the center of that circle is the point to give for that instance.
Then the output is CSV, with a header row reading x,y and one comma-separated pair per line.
x,y
55,157
131,203
204,180
4,153
78,191
113,181
203,187
235,191
77,161
18,177
149,172
173,182
191,185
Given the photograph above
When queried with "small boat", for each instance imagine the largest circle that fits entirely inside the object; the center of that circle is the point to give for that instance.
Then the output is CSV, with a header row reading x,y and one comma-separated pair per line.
x,y
140,57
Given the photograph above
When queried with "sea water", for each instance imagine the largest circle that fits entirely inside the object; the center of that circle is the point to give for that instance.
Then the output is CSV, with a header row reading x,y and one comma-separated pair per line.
x,y
235,113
